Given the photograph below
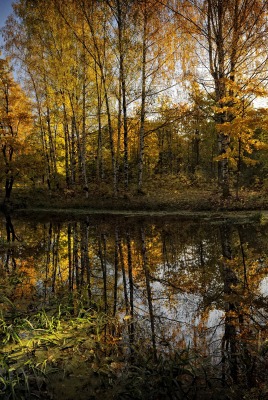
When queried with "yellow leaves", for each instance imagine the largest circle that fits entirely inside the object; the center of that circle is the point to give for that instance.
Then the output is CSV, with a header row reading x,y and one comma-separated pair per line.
x,y
240,121
231,100
241,86
227,154
15,111
237,128
258,145
259,91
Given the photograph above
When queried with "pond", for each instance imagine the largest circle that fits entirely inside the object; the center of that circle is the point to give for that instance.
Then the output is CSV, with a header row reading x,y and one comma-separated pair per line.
x,y
133,307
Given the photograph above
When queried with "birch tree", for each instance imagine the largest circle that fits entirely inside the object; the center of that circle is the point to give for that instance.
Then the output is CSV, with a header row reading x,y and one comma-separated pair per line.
x,y
15,124
230,38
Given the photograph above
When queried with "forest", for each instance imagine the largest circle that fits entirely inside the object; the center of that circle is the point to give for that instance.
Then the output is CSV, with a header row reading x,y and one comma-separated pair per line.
x,y
133,200
119,98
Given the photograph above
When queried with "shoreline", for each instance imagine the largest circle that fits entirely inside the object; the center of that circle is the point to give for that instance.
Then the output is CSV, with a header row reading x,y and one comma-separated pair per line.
x,y
157,203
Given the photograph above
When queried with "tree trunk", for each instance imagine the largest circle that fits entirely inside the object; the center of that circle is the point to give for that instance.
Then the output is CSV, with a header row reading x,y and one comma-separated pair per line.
x,y
122,81
43,133
217,69
66,146
143,101
8,151
52,149
83,139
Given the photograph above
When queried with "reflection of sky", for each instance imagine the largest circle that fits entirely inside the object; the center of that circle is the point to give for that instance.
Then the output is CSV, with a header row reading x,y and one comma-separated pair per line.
x,y
264,287
181,320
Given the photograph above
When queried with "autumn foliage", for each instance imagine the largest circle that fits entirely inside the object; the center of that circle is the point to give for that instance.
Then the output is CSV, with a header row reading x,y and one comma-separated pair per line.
x,y
122,92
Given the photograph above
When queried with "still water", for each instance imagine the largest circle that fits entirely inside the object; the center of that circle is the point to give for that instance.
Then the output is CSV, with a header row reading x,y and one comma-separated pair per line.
x,y
169,282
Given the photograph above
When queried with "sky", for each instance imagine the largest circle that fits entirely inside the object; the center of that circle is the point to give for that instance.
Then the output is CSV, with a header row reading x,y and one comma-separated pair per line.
x,y
5,10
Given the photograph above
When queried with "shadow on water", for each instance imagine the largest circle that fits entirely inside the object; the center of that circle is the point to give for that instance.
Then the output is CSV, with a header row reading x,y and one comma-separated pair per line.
x,y
133,308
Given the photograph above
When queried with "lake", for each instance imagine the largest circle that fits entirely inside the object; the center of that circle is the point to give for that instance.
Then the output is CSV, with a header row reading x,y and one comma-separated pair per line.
x,y
176,305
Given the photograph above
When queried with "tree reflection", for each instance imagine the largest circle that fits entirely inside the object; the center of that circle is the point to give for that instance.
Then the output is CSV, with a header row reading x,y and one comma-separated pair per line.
x,y
11,237
230,282
148,289
243,321
162,285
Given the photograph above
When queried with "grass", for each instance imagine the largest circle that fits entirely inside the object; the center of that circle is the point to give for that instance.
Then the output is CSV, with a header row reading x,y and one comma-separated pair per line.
x,y
54,354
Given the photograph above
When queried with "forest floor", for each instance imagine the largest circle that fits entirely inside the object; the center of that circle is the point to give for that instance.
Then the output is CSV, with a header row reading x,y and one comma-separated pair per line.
x,y
156,198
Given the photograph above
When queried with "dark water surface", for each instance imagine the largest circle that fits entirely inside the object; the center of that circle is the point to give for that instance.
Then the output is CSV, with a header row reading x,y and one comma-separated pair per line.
x,y
171,283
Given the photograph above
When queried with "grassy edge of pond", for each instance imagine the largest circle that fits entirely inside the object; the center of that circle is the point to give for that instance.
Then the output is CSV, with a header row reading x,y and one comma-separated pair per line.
x,y
62,354
52,352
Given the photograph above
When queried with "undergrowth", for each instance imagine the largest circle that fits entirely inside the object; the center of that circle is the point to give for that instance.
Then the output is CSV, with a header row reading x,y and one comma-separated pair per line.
x,y
62,353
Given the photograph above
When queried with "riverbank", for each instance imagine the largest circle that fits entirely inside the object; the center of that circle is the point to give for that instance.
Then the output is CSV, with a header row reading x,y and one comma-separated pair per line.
x,y
157,199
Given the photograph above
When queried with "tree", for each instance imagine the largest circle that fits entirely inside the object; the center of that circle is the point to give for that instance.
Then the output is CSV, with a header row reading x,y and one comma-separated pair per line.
x,y
230,39
15,124
99,73
157,62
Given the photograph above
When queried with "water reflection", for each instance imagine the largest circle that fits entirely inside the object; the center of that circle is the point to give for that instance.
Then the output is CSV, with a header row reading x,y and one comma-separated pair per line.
x,y
169,283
